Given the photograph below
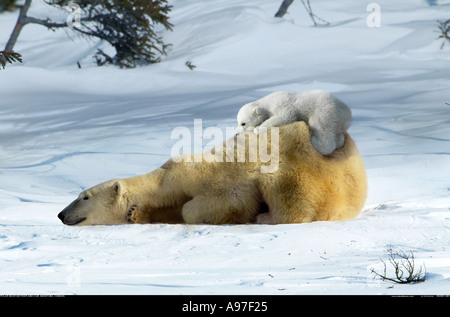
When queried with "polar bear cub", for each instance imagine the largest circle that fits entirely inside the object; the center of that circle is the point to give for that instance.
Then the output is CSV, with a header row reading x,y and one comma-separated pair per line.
x,y
327,116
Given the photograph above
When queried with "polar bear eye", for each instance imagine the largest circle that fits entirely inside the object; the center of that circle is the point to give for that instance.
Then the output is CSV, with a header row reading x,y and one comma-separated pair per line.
x,y
242,124
86,197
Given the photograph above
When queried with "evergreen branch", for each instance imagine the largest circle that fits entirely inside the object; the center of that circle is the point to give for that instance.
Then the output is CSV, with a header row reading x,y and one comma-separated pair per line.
x,y
10,57
127,25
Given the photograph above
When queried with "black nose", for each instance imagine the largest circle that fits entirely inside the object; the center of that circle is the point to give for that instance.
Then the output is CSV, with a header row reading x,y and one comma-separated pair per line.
x,y
61,215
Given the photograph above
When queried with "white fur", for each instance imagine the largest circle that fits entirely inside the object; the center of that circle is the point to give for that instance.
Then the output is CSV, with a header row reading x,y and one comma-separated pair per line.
x,y
327,116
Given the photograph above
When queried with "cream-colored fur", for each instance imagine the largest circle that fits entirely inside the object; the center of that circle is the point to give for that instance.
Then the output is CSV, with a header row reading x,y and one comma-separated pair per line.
x,y
307,186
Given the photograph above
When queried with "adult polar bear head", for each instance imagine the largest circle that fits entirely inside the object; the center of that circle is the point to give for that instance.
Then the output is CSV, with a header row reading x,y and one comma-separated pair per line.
x,y
101,204
114,201
307,186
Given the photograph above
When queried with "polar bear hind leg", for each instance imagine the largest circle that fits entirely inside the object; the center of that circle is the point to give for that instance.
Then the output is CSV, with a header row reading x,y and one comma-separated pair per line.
x,y
340,140
324,141
220,209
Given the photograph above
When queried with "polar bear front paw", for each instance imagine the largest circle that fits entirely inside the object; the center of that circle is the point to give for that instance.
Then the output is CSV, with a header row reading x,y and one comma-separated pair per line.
x,y
265,219
132,216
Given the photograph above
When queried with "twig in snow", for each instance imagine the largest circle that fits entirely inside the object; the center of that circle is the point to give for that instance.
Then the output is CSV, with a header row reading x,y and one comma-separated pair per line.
x,y
444,27
307,6
404,268
285,5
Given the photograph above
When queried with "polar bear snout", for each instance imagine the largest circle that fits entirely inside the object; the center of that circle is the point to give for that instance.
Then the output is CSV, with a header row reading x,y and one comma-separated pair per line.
x,y
70,215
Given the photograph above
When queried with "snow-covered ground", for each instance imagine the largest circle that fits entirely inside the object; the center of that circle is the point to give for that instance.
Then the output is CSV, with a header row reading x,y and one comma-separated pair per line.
x,y
63,129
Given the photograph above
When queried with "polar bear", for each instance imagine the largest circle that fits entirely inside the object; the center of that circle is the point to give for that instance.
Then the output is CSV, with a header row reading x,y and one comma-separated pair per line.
x,y
327,116
307,186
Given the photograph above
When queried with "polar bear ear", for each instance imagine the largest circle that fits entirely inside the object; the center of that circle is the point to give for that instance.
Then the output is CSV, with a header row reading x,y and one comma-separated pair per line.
x,y
256,111
117,188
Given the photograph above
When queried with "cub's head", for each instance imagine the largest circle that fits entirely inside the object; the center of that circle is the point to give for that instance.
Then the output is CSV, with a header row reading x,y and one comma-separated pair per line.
x,y
101,204
251,116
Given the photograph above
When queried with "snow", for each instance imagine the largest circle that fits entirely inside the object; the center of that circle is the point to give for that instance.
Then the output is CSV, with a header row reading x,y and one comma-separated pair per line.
x,y
64,129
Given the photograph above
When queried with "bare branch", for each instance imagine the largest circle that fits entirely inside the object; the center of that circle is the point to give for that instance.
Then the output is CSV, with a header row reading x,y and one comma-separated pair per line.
x,y
307,6
46,23
404,269
283,8
18,27
444,27
285,5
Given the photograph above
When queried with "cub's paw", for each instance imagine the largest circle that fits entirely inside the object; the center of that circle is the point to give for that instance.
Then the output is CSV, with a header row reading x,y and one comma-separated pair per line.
x,y
260,130
257,130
